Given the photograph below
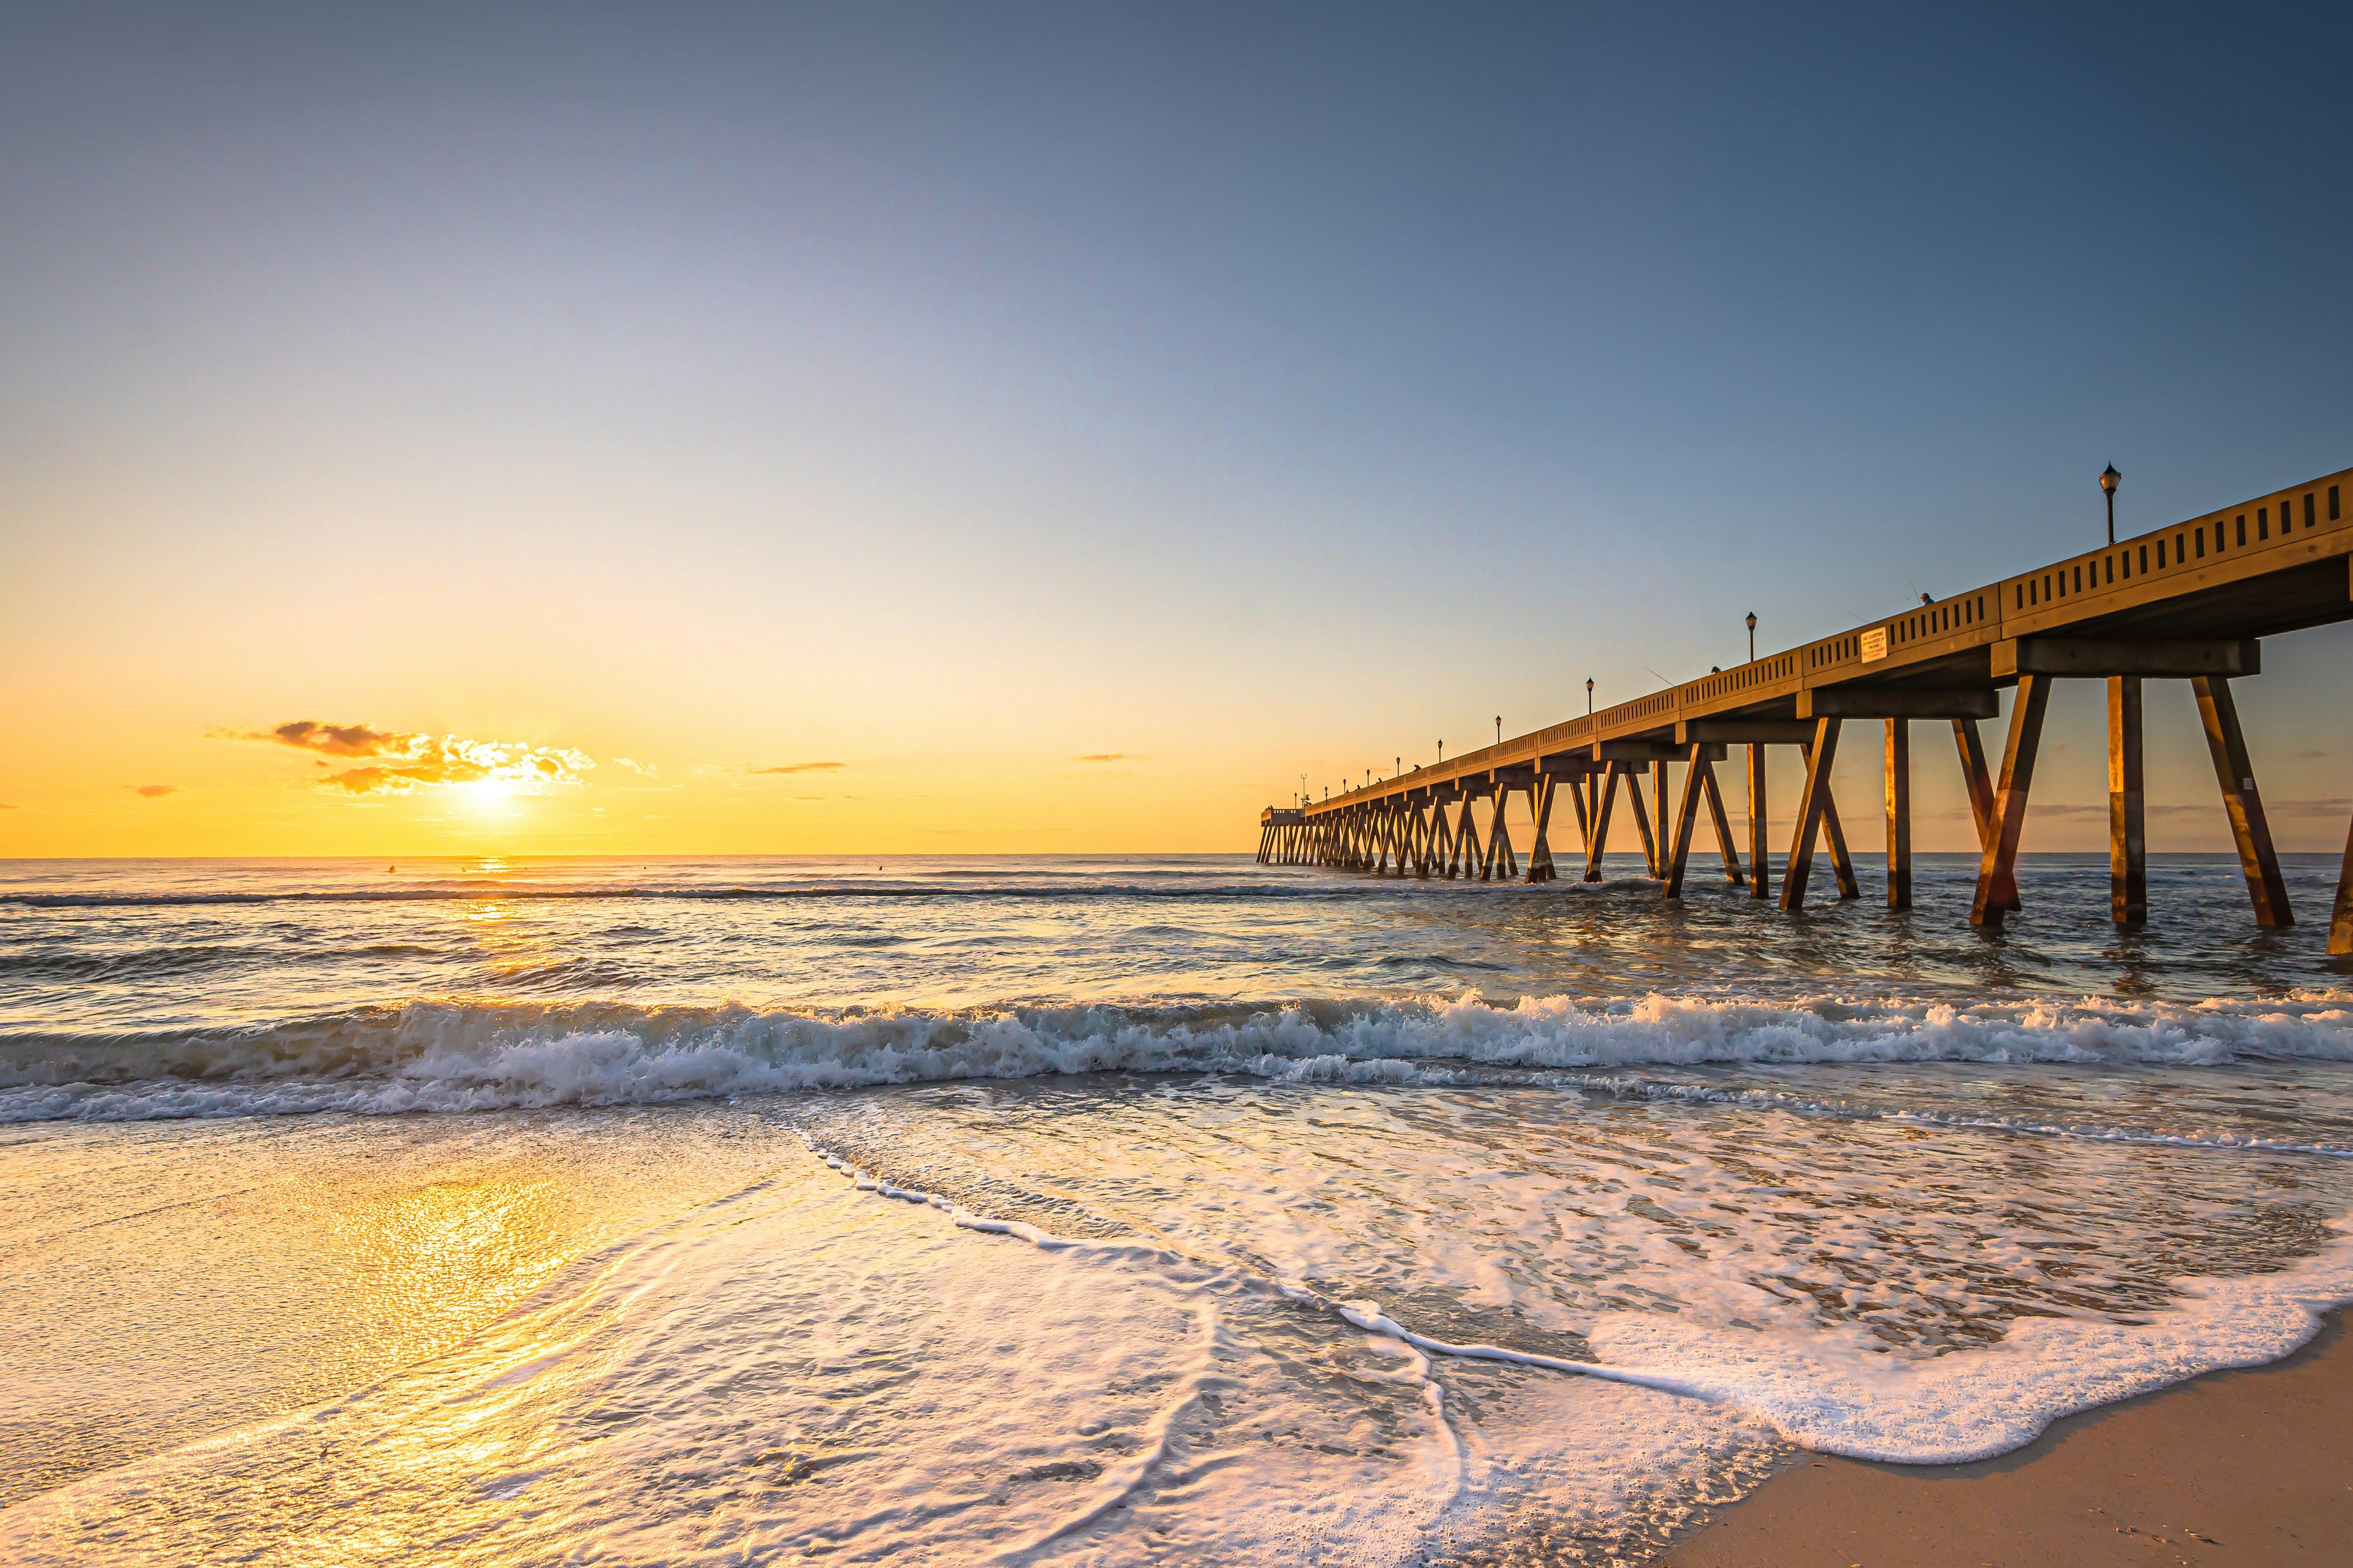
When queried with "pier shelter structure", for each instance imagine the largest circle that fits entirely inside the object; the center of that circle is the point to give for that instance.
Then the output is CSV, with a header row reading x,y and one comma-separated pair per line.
x,y
2190,602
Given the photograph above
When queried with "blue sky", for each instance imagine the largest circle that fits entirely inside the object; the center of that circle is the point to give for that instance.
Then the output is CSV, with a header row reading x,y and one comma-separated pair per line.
x,y
964,391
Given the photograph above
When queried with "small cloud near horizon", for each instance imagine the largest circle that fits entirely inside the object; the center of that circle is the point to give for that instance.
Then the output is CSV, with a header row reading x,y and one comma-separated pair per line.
x,y
635,766
153,792
334,739
798,768
1112,757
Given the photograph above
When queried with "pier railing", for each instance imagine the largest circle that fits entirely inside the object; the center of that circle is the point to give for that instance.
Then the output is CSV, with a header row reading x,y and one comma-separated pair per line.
x,y
2189,602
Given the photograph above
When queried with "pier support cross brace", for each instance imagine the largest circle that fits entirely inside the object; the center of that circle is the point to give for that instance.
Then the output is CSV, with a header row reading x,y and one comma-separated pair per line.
x,y
1811,809
1998,868
2236,774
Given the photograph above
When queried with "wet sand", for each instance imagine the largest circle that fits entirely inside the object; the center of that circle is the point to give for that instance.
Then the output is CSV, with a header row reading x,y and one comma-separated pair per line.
x,y
2236,1468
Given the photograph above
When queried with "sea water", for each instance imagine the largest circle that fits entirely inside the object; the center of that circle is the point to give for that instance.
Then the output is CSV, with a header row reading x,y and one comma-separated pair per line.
x,y
1064,1210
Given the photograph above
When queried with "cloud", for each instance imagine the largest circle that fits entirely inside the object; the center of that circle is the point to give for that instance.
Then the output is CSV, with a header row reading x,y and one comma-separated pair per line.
x,y
334,739
405,761
635,766
1112,757
800,768
153,792
6,807
2331,806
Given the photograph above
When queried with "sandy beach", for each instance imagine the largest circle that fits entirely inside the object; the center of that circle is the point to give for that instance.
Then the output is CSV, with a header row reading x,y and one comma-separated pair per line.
x,y
2239,1467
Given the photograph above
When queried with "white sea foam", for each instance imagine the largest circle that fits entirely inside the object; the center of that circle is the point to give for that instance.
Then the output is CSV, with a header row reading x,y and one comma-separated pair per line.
x,y
1835,1396
1190,1324
436,1057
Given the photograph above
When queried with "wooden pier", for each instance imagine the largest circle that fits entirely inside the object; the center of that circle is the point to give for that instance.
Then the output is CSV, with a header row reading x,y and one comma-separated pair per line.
x,y
2187,603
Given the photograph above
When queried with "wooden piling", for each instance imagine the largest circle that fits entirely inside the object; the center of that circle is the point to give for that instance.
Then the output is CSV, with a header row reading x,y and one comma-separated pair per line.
x,y
1974,778
1980,785
2128,829
1540,789
1998,867
2236,774
1760,865
1641,816
1834,840
1598,845
1658,837
1501,861
1686,820
1811,810
1899,814
1725,844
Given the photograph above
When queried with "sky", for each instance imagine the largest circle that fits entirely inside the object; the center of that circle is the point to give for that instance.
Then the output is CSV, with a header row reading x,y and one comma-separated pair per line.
x,y
991,427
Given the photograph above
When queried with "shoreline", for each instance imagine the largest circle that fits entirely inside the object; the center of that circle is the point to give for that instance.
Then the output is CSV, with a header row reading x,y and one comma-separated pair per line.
x,y
2247,1466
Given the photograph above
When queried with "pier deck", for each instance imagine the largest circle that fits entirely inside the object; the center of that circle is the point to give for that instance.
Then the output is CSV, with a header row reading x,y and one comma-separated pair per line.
x,y
2190,602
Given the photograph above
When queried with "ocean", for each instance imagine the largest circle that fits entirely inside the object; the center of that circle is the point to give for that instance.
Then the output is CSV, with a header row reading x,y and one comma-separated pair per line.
x,y
1154,1210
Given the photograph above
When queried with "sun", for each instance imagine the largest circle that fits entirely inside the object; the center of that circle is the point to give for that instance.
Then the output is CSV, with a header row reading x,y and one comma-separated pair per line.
x,y
488,793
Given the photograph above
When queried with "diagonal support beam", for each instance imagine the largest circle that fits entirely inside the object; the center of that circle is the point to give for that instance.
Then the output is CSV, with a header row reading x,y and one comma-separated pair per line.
x,y
1540,867
1598,844
1497,799
1974,778
1811,809
2236,774
1725,844
1506,861
1979,785
1642,815
1998,868
1686,819
1659,804
1834,840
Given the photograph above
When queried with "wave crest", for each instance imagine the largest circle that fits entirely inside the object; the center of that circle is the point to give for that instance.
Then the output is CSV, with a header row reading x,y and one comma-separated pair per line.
x,y
452,1056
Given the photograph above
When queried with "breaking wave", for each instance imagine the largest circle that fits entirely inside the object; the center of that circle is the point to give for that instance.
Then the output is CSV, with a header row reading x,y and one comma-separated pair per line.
x,y
459,1057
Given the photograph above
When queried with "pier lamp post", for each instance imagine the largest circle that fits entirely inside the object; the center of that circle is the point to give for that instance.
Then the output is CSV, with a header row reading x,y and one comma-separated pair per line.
x,y
2109,478
1442,754
1499,729
1752,637
1588,697
1397,768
